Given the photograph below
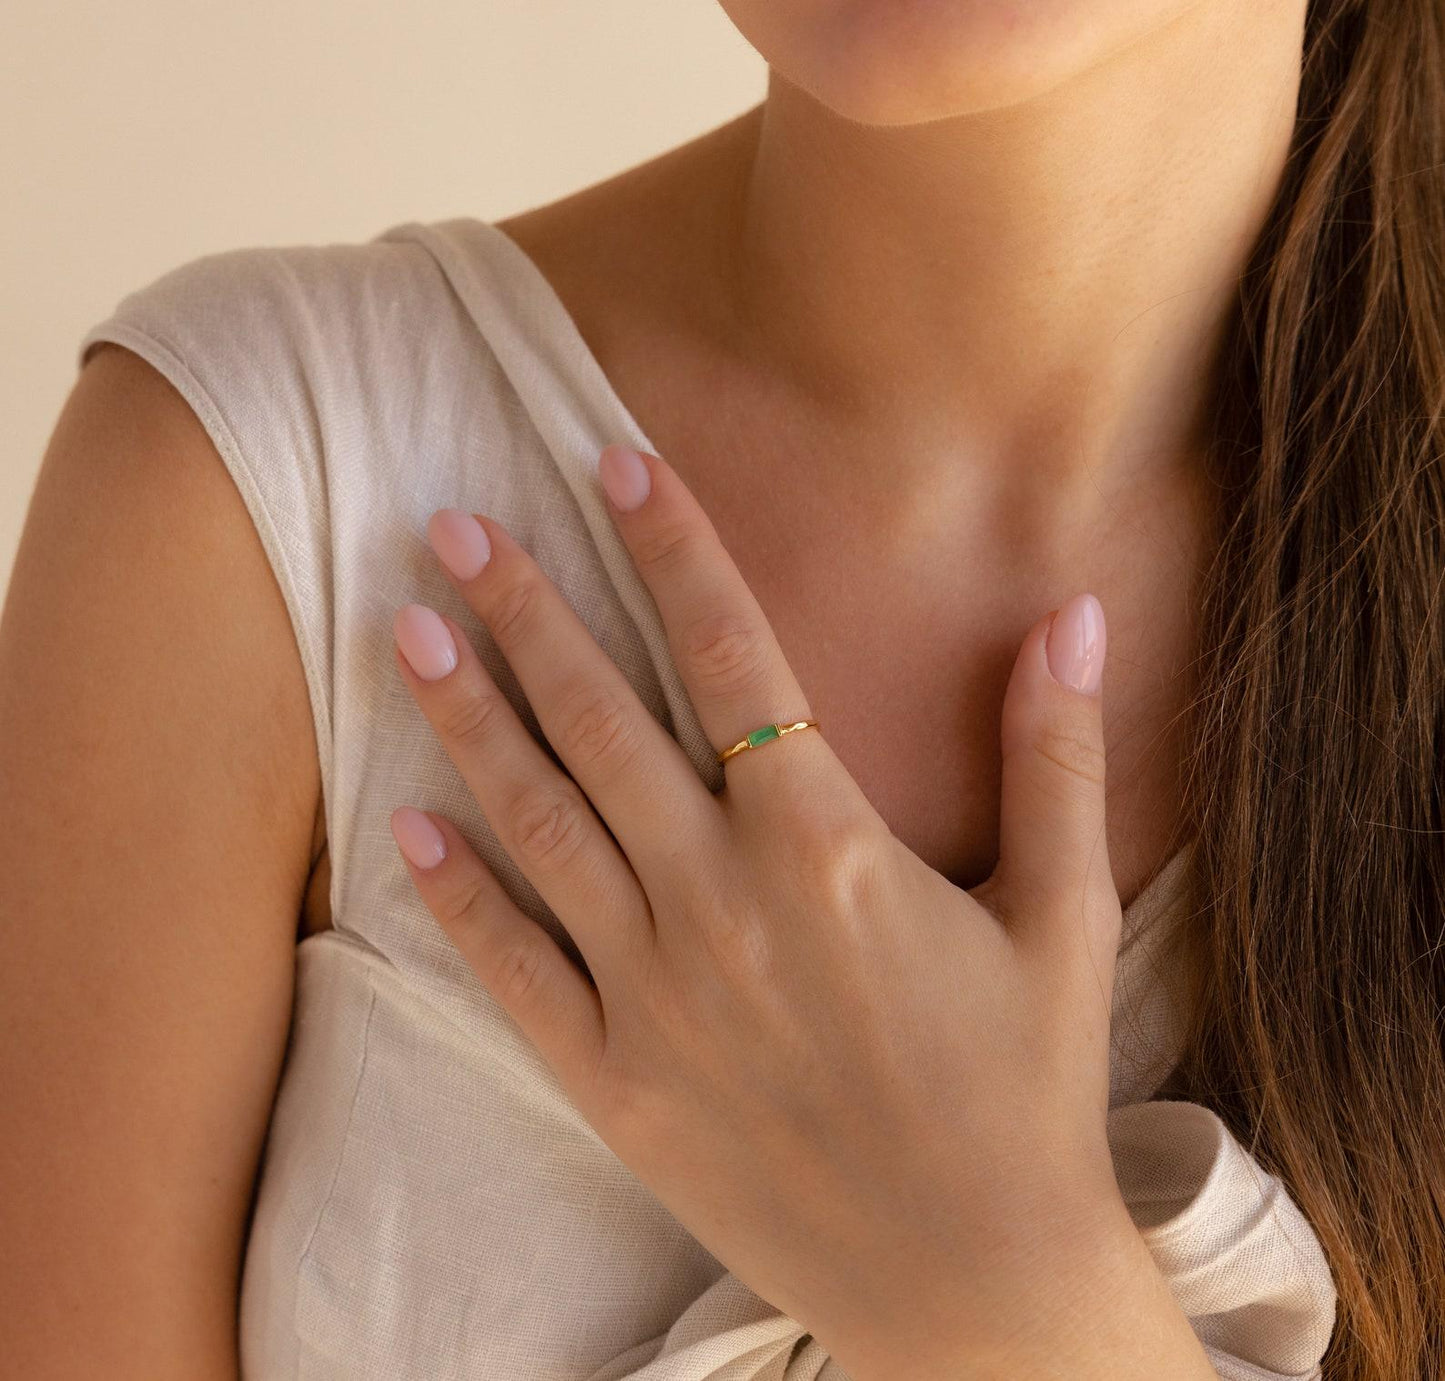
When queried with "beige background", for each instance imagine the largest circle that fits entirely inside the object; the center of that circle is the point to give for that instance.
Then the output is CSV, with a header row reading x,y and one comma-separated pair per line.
x,y
135,137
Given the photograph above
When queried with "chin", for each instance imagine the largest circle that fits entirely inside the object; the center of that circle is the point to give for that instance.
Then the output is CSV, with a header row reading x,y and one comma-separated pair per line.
x,y
907,62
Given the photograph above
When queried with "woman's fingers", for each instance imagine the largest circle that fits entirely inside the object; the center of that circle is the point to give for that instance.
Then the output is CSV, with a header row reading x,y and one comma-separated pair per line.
x,y
539,987
725,649
633,771
1053,875
537,812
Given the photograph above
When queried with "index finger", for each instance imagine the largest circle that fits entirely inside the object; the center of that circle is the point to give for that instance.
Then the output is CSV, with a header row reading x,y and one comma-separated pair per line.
x,y
725,649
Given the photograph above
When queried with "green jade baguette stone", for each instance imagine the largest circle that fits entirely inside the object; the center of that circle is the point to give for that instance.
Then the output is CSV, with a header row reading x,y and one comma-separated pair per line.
x,y
762,735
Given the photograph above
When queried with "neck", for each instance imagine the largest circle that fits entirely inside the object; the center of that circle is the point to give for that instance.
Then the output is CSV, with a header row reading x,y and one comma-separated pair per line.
x,y
1040,288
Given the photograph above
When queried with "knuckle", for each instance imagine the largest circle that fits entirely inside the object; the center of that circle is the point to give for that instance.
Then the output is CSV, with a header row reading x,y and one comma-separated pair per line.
x,y
461,903
513,610
471,719
724,654
836,862
597,729
547,827
835,841
636,1115
516,970
1072,748
663,548
737,942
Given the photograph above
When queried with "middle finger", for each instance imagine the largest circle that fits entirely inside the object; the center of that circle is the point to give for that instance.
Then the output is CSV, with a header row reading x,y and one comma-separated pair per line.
x,y
634,772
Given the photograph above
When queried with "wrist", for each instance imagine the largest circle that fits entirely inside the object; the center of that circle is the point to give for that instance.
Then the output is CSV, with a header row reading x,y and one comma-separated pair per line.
x,y
1110,1316
1084,1301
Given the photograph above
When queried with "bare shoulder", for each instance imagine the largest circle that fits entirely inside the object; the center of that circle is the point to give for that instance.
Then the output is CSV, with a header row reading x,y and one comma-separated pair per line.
x,y
156,834
132,444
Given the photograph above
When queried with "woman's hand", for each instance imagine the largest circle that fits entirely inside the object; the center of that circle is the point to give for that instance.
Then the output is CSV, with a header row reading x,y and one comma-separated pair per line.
x,y
877,1098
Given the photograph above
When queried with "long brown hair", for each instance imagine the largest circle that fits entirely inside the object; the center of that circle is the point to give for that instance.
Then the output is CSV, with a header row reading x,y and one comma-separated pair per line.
x,y
1317,768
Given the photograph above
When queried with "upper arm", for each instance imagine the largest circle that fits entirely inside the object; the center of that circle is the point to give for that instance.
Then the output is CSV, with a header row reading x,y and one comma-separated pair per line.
x,y
159,784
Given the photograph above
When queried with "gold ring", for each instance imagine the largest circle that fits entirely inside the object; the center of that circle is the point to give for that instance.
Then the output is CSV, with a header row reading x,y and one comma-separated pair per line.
x,y
765,735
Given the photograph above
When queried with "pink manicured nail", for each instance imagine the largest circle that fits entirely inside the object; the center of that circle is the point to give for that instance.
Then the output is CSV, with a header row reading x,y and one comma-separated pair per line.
x,y
460,541
423,844
625,477
425,641
1076,644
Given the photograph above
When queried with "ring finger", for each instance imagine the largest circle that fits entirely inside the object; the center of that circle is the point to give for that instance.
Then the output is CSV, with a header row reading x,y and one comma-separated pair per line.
x,y
728,655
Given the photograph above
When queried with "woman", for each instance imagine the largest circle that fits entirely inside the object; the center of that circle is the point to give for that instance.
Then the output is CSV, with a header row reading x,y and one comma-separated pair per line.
x,y
983,327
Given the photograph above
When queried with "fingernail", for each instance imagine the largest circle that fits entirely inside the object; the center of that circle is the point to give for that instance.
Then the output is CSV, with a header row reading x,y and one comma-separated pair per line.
x,y
425,641
625,477
1075,644
423,844
460,541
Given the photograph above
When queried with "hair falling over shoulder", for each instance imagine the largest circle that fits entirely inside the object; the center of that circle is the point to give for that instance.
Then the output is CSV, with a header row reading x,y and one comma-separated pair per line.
x,y
1316,781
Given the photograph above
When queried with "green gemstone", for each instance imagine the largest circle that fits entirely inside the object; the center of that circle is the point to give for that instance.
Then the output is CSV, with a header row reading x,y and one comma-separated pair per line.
x,y
762,735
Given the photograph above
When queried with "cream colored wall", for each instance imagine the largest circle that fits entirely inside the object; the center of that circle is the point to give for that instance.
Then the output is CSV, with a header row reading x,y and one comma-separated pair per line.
x,y
134,137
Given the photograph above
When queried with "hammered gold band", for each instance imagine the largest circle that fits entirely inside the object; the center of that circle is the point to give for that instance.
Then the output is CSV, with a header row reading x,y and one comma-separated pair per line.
x,y
765,735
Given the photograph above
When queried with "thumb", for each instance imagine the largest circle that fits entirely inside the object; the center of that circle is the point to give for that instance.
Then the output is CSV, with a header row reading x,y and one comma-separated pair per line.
x,y
1053,852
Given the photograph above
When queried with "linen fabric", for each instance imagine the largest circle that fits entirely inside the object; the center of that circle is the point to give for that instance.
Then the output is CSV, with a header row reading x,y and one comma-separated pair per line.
x,y
431,1205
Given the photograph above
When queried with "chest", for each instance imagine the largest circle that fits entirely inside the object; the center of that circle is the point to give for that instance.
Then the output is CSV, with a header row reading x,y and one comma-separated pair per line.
x,y
904,649
907,675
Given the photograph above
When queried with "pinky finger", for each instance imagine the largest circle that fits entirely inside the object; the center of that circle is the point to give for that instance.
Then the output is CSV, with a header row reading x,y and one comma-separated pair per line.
x,y
540,988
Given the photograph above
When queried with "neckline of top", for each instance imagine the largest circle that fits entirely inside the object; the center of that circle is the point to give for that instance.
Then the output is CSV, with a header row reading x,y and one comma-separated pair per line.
x,y
534,293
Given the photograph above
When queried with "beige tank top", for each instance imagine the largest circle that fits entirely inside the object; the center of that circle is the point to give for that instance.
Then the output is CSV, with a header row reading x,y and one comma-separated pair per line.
x,y
431,1205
